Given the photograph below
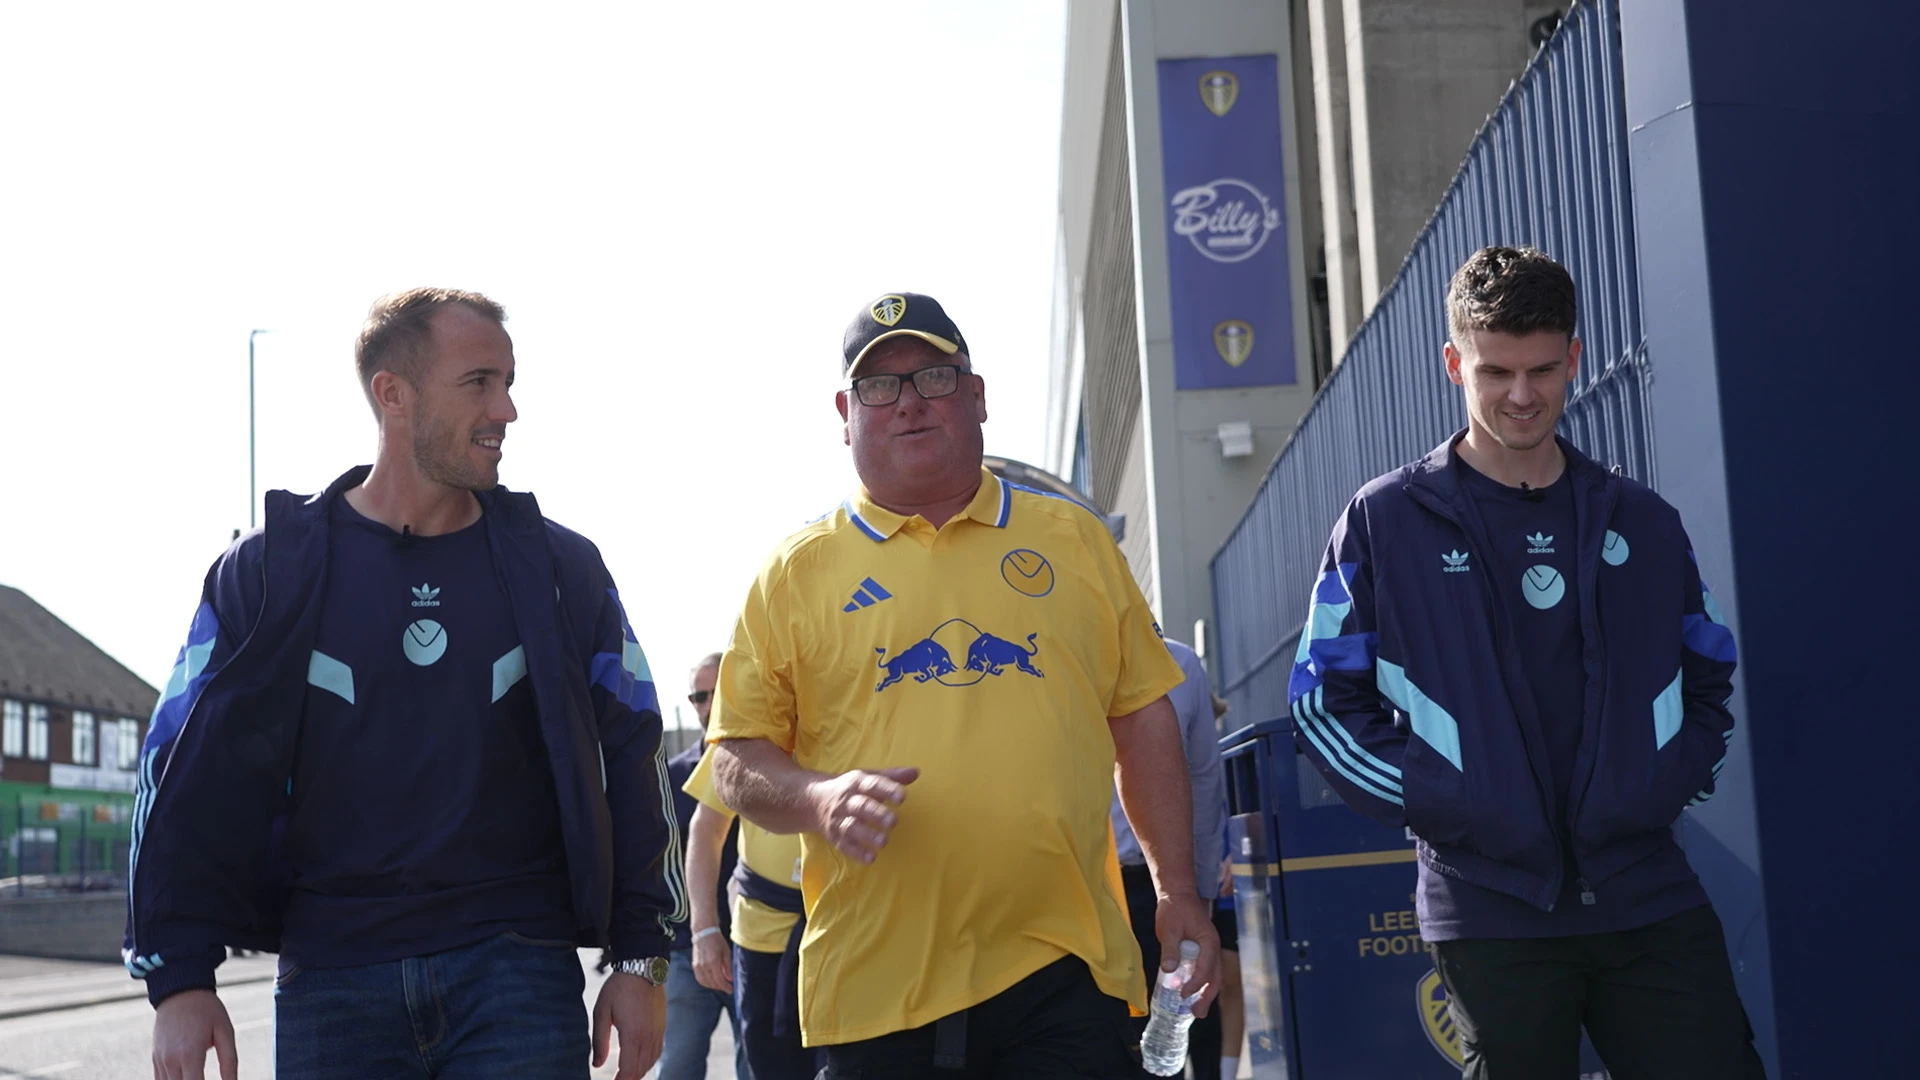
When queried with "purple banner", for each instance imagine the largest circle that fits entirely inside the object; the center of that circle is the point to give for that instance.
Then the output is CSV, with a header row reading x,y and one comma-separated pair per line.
x,y
1227,248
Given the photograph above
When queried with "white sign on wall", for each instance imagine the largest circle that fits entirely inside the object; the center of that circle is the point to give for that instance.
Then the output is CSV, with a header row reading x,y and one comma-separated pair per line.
x,y
87,778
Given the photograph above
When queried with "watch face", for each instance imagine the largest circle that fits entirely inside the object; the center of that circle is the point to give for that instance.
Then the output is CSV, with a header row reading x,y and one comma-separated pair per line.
x,y
653,969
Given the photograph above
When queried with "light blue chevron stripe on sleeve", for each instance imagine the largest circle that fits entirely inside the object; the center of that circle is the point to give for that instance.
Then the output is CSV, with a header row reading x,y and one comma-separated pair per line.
x,y
184,684
190,675
331,675
1323,622
626,674
1667,712
612,675
1434,724
1332,603
635,661
509,670
1311,727
1322,647
191,672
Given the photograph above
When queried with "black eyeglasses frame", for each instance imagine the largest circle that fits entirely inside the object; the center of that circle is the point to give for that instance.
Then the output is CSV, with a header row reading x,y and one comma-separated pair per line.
x,y
900,384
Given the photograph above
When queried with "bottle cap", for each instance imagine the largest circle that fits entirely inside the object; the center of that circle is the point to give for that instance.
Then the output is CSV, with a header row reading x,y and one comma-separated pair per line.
x,y
1189,950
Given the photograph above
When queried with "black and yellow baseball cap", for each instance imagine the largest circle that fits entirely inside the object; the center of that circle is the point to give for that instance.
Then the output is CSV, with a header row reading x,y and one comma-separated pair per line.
x,y
898,315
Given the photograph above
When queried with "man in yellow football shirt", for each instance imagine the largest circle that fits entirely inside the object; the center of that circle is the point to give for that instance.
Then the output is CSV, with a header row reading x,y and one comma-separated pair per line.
x,y
986,645
761,974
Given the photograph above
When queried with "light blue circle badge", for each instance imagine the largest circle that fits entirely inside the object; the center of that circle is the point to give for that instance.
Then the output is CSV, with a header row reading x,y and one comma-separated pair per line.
x,y
1613,549
425,642
1543,586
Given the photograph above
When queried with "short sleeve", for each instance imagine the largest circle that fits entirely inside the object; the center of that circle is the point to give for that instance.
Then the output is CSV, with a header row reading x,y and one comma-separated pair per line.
x,y
1147,671
755,698
700,786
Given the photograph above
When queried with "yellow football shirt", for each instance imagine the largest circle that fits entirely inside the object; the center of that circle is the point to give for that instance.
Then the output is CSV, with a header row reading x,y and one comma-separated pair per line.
x,y
989,653
756,926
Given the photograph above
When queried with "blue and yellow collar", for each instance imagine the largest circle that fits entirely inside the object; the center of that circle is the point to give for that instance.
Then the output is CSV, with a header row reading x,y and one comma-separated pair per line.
x,y
992,505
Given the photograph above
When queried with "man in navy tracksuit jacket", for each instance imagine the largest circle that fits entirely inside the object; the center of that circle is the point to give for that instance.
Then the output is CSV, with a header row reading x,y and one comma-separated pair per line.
x,y
412,746
1510,651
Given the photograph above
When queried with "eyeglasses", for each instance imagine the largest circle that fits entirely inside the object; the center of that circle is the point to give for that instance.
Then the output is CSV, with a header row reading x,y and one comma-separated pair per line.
x,y
929,382
699,697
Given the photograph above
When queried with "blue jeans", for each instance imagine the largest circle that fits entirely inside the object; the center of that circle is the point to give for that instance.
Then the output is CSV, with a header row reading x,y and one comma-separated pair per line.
x,y
692,1012
508,1006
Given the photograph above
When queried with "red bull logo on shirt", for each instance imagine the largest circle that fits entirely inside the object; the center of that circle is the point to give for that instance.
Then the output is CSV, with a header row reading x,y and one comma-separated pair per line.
x,y
931,659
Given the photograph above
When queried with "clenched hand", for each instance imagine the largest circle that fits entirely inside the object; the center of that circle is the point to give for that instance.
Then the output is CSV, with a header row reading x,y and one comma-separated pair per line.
x,y
855,810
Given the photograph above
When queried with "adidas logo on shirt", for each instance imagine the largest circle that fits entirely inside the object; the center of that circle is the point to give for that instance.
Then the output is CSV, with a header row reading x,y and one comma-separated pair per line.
x,y
1456,562
1539,544
868,594
424,595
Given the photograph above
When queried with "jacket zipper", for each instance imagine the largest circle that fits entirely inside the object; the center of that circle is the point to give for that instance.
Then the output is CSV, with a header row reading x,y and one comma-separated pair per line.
x,y
1611,496
1541,788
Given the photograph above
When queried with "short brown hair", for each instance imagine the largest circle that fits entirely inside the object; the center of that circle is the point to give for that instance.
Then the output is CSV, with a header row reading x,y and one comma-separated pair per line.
x,y
396,333
1508,290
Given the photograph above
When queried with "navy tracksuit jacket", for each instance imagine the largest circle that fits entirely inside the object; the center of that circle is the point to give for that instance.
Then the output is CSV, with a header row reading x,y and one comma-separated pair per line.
x,y
1407,690
215,769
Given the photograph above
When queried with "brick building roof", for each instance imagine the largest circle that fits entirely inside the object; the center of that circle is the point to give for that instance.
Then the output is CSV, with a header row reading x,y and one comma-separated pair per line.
x,y
43,658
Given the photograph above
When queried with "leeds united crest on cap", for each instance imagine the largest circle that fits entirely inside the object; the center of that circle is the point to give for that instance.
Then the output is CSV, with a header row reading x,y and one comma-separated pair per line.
x,y
888,309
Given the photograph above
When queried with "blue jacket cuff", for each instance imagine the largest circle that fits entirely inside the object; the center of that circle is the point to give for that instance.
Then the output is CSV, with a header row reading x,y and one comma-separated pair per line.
x,y
185,973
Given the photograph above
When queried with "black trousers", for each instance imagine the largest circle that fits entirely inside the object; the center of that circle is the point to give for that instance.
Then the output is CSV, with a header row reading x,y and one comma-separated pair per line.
x,y
770,1056
1205,1036
1055,1024
1658,1002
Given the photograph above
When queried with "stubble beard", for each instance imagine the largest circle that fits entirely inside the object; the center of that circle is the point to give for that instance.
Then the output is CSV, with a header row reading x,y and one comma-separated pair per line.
x,y
440,454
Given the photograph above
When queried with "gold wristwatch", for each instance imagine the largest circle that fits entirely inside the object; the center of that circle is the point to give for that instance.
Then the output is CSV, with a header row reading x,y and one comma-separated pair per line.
x,y
653,969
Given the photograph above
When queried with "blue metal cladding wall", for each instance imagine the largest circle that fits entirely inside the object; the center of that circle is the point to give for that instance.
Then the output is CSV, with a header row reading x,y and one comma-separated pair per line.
x,y
1548,169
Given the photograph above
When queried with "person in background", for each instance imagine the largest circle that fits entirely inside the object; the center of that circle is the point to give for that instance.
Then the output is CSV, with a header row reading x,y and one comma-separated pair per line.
x,y
1193,705
693,1009
762,971
1223,1040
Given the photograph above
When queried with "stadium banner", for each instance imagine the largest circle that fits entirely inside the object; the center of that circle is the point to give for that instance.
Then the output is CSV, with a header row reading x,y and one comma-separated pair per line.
x,y
1227,247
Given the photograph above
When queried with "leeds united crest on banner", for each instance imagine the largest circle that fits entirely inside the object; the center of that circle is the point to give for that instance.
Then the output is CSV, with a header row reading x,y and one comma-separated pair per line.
x,y
1218,89
1234,341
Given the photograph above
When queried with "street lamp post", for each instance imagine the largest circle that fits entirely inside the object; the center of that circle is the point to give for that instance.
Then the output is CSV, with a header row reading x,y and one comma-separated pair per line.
x,y
253,497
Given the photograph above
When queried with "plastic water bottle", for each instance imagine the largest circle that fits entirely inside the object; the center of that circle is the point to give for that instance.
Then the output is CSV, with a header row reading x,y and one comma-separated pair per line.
x,y
1163,1050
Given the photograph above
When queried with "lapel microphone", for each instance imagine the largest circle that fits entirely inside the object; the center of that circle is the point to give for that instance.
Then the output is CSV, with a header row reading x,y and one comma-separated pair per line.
x,y
1531,494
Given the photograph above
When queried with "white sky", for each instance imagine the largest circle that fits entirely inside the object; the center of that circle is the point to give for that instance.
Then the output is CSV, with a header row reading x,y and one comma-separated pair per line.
x,y
680,206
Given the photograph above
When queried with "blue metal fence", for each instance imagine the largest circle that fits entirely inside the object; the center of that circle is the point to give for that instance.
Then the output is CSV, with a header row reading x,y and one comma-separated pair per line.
x,y
1548,169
